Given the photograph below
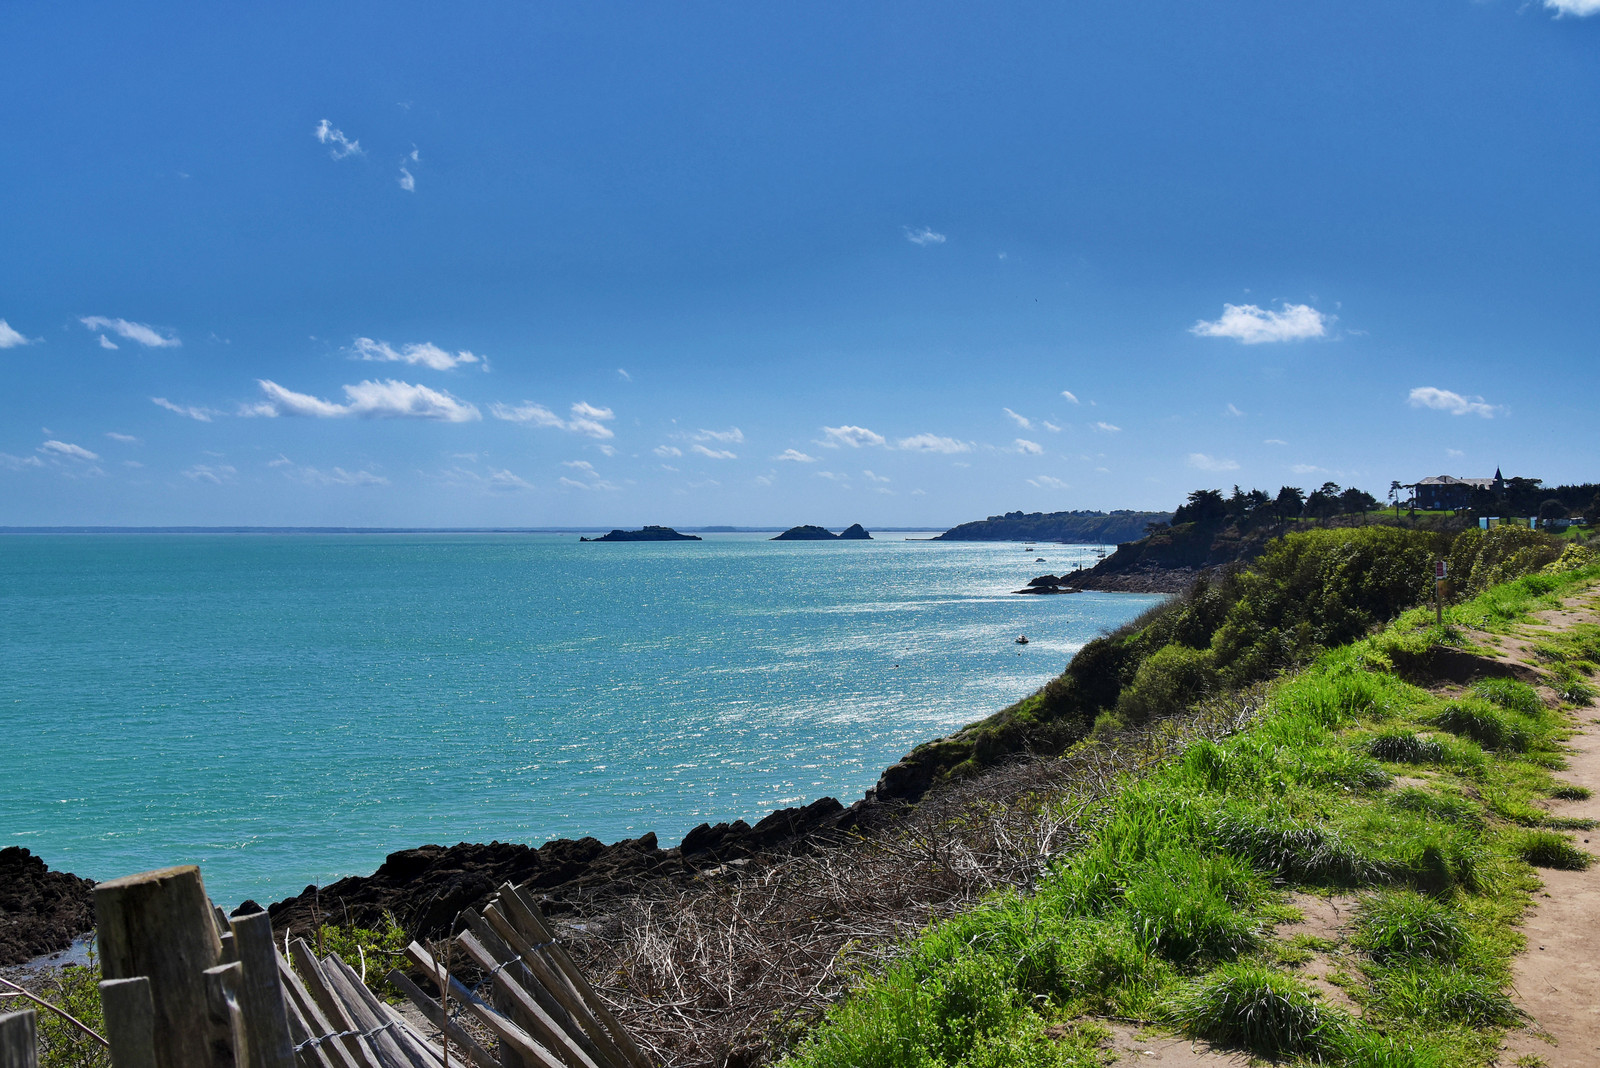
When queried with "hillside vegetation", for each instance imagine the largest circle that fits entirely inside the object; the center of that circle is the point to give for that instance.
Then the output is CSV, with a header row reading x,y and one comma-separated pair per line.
x,y
1169,909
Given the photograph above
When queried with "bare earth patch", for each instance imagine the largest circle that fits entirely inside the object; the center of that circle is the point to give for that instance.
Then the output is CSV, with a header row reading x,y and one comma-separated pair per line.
x,y
1138,1046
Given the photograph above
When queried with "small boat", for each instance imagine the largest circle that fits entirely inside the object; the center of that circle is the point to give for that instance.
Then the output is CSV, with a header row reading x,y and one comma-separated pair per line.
x,y
1038,559
1022,639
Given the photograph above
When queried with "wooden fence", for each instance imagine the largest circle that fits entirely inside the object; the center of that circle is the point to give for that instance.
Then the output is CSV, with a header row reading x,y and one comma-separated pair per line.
x,y
187,987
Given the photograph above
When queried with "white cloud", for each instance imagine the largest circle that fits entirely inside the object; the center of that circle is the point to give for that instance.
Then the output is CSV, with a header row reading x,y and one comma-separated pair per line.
x,y
146,335
1444,400
870,477
107,343
216,474
498,481
425,353
795,456
586,418
607,450
1047,482
572,483
1308,469
924,236
17,463
202,415
1576,8
1274,441
1108,428
63,448
336,476
1253,325
714,454
1071,396
833,476
1021,420
368,400
407,180
582,465
853,436
328,134
1454,453
1048,425
9,338
126,439
1030,448
667,450
1233,411
505,480
1201,462
732,435
624,375
933,443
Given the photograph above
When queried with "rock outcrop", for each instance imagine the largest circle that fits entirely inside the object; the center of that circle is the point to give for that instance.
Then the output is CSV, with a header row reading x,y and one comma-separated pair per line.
x,y
645,534
41,911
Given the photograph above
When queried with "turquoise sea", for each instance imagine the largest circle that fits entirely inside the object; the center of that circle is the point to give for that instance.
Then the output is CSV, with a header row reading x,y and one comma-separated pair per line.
x,y
288,708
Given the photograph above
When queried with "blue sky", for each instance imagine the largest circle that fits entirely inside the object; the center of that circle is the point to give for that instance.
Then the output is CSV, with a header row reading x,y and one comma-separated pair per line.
x,y
561,264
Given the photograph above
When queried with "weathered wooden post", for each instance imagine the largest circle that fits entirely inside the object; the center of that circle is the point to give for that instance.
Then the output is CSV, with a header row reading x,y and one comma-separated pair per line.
x,y
130,1016
158,924
19,1046
260,993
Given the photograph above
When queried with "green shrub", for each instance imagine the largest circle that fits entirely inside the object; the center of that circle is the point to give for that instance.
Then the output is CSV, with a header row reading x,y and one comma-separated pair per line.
x,y
1484,724
1170,680
1275,842
1551,849
1571,685
74,989
1400,746
1258,1009
1512,694
1186,906
1437,993
1403,923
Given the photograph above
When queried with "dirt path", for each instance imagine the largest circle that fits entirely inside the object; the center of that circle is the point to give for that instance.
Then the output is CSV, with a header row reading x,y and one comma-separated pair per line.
x,y
1557,977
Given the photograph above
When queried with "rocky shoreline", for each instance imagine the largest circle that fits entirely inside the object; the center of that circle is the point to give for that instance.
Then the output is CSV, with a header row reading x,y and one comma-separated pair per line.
x,y
41,911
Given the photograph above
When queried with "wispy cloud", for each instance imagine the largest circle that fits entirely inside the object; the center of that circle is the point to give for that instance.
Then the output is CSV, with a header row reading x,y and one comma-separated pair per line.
x,y
924,236
1108,428
1048,425
496,480
733,435
713,454
407,180
585,419
107,343
424,353
202,415
389,399
582,465
62,448
1444,400
871,477
853,436
17,463
1072,397
1274,441
1029,448
340,146
1308,469
1253,325
795,456
1202,462
665,451
215,474
126,439
1021,420
9,338
933,443
1575,8
1233,411
143,334
624,375
833,476
1048,482
334,476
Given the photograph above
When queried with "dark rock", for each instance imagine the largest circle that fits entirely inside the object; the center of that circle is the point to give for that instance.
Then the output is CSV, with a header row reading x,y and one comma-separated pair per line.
x,y
855,532
806,533
41,911
247,907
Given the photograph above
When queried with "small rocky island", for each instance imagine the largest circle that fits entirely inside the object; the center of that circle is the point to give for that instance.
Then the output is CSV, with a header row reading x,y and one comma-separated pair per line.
x,y
1048,584
854,532
646,534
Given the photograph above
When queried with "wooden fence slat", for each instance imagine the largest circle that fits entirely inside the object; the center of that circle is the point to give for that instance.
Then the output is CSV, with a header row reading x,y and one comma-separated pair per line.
x,y
412,1042
19,1043
158,924
523,908
504,1028
547,1030
261,992
335,1051
130,1017
516,969
230,1044
460,1037
548,981
380,1028
316,983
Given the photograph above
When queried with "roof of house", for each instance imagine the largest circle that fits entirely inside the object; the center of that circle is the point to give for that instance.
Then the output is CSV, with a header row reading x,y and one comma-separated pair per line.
x,y
1451,480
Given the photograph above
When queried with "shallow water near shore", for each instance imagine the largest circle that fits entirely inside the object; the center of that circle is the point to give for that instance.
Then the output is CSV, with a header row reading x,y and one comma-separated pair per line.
x,y
289,708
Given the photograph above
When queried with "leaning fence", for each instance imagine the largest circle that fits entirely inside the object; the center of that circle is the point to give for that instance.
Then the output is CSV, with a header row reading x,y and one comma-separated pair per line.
x,y
185,986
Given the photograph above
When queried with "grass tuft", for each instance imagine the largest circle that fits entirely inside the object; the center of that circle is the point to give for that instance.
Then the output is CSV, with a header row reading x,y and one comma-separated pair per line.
x,y
1404,924
1485,724
1258,1009
1551,849
1400,746
1434,993
1510,694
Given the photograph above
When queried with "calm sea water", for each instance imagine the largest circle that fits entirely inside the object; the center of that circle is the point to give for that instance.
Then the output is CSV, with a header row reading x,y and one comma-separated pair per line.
x,y
285,709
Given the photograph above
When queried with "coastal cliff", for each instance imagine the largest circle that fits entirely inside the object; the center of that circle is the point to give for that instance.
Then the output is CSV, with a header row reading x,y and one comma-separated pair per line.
x,y
1082,527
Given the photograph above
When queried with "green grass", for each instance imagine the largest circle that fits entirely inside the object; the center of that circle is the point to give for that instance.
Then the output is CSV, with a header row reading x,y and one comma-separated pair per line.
x,y
1167,914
